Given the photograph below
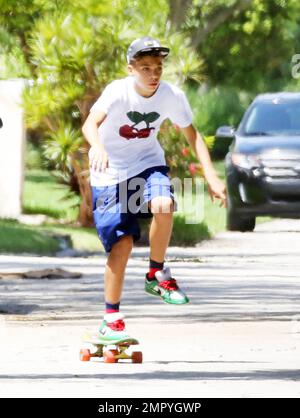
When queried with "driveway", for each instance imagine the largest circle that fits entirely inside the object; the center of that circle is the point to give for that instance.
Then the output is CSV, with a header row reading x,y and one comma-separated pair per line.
x,y
239,336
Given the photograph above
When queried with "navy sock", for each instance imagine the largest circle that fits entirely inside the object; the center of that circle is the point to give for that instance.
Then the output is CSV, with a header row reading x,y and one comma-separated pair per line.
x,y
112,307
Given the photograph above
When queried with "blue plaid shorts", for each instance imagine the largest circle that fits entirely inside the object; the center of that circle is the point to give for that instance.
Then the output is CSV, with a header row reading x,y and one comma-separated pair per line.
x,y
117,208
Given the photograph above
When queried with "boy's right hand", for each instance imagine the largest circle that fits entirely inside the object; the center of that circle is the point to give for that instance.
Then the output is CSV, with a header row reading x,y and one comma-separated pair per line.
x,y
98,158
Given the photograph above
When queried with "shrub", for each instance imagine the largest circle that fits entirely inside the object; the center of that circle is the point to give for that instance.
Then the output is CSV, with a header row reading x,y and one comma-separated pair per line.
x,y
33,157
216,107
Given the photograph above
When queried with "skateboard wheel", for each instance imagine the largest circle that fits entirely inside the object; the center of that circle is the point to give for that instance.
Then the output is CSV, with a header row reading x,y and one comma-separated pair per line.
x,y
85,354
109,356
137,357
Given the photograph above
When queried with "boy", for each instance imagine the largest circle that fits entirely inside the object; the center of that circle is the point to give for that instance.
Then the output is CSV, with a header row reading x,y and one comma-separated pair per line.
x,y
122,130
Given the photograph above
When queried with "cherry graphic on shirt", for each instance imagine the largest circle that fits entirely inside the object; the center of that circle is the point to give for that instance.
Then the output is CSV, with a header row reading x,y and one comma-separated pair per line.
x,y
144,133
130,132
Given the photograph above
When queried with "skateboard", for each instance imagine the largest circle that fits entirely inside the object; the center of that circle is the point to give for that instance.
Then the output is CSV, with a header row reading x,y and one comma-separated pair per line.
x,y
110,355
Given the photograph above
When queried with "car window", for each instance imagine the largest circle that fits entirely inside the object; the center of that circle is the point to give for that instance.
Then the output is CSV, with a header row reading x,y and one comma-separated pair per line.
x,y
273,118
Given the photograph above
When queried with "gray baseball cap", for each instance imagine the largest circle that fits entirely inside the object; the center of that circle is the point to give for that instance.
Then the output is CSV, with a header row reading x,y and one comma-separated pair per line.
x,y
145,44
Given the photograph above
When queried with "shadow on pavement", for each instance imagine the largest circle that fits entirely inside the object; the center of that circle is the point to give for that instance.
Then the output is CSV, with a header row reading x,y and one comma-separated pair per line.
x,y
168,375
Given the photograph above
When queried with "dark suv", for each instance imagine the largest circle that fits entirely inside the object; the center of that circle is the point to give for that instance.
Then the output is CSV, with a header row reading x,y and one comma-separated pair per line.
x,y
263,162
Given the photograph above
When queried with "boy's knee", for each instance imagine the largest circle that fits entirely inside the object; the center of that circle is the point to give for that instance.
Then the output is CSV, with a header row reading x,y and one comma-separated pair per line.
x,y
162,204
122,247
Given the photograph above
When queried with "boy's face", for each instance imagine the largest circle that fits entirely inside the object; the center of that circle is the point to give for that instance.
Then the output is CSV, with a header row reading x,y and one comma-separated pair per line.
x,y
147,72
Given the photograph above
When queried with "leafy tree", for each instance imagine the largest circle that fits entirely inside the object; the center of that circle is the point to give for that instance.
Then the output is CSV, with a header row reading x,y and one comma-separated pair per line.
x,y
246,44
257,47
73,49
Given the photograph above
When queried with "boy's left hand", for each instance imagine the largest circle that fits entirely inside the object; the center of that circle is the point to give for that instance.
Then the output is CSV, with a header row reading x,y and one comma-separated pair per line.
x,y
217,190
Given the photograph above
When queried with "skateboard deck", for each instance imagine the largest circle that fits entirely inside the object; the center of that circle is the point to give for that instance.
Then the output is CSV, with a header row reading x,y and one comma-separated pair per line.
x,y
110,355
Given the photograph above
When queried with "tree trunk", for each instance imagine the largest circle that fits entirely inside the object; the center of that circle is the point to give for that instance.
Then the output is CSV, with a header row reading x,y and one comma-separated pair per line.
x,y
80,164
178,10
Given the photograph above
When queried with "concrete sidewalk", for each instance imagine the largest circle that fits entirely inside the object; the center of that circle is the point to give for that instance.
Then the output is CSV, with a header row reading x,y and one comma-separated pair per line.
x,y
239,336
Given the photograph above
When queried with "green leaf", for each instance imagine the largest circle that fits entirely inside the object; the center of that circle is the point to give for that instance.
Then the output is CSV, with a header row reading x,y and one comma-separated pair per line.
x,y
136,117
150,117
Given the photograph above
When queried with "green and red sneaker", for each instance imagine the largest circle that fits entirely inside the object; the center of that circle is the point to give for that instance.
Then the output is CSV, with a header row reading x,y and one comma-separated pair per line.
x,y
166,288
113,327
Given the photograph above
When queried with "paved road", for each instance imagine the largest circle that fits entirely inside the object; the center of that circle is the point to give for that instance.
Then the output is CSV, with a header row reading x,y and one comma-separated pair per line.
x,y
239,336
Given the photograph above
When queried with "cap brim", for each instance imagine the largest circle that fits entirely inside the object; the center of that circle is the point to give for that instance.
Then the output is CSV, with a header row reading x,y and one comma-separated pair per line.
x,y
163,51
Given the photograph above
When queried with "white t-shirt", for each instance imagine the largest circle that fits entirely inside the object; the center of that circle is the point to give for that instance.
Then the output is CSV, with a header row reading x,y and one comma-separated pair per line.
x,y
129,131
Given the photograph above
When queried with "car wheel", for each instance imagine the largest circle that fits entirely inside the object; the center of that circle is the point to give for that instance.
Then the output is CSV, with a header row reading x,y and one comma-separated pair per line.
x,y
237,223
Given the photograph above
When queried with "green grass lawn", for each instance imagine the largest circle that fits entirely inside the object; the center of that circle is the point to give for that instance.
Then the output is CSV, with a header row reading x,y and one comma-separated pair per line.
x,y
82,239
43,239
214,215
203,221
18,238
43,194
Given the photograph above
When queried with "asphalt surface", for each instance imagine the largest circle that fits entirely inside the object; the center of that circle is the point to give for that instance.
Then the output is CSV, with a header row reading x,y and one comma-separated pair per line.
x,y
238,337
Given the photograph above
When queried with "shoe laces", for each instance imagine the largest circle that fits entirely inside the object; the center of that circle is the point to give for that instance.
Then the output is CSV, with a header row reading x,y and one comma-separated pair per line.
x,y
118,325
169,284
